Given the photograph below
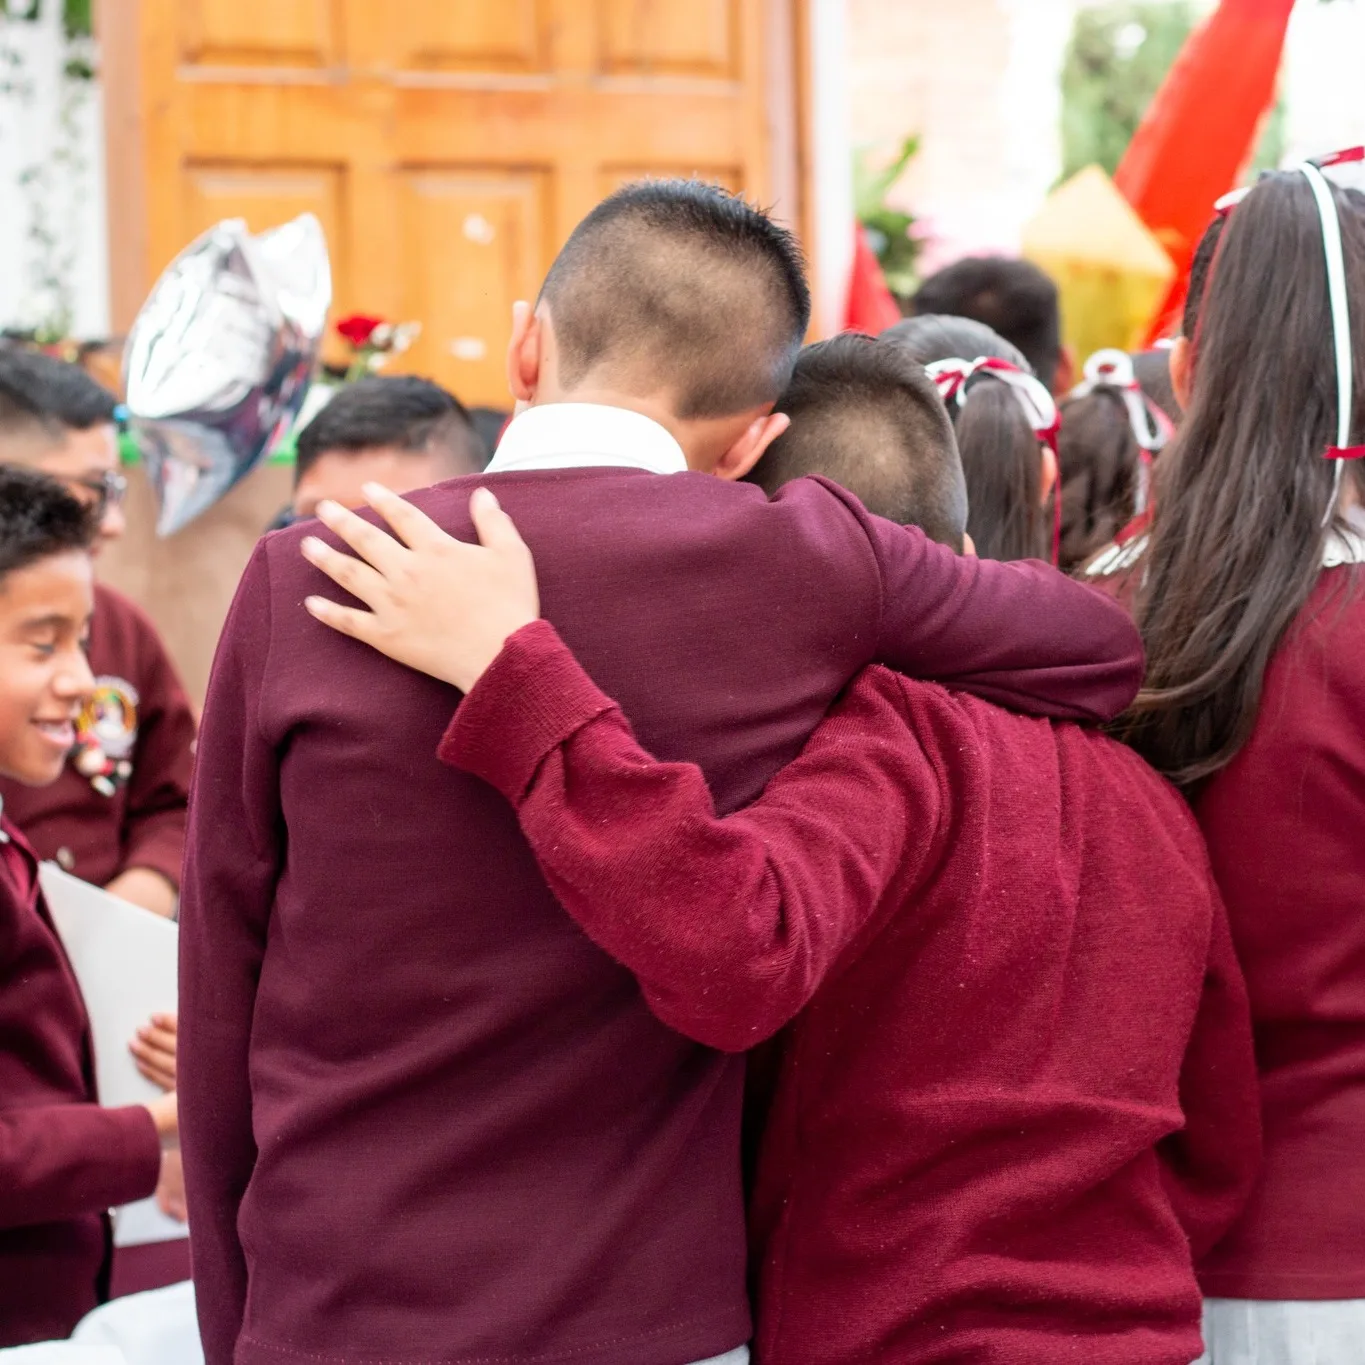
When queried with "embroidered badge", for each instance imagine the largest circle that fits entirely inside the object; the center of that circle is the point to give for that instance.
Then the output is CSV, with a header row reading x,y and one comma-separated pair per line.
x,y
106,731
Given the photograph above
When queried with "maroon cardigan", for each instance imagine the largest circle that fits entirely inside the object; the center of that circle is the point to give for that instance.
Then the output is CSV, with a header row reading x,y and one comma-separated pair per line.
x,y
98,828
64,1161
1284,825
423,1117
1025,1054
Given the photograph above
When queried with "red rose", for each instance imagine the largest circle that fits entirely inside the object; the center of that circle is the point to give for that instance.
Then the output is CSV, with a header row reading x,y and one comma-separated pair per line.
x,y
359,328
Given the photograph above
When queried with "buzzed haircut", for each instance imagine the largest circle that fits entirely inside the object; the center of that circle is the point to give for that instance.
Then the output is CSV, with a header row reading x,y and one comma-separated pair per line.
x,y
685,288
403,412
38,519
1011,296
867,417
38,391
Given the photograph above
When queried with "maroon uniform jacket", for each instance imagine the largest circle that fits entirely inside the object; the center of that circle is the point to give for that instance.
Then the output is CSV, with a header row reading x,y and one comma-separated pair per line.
x,y
424,1118
1025,1056
120,801
64,1161
1283,822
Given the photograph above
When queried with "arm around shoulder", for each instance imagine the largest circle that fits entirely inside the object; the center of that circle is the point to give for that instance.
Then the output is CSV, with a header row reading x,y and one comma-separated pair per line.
x,y
1021,634
731,923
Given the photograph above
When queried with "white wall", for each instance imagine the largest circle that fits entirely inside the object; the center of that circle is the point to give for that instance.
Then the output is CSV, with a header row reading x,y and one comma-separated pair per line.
x,y
51,132
1324,78
978,80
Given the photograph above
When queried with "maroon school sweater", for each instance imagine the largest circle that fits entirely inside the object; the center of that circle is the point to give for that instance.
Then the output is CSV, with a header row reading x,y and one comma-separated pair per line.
x,y
1283,822
120,801
63,1160
424,1118
1015,974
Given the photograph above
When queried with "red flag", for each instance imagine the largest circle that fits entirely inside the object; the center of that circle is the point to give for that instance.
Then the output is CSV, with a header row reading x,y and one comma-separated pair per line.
x,y
871,305
1200,129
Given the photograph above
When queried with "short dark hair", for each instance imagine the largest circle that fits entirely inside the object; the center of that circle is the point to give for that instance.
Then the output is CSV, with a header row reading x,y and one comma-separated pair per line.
x,y
688,287
866,416
38,518
41,393
1011,296
402,411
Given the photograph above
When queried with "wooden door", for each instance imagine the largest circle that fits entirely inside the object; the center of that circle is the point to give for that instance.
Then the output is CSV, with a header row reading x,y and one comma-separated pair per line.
x,y
447,146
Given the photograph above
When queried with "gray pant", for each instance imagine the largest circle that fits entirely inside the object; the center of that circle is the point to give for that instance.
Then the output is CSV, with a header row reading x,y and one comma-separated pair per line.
x,y
739,1356
1283,1332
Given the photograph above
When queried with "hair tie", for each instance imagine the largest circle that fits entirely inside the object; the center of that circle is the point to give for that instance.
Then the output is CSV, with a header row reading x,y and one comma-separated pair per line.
x,y
952,377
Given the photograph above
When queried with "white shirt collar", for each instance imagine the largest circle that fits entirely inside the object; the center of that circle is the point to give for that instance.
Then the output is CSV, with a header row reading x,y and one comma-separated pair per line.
x,y
586,435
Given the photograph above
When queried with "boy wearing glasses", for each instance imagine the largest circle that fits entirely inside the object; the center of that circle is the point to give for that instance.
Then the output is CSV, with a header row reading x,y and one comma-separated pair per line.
x,y
116,816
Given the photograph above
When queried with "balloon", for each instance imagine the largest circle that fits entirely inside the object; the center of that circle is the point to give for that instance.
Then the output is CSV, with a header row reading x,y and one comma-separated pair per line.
x,y
219,360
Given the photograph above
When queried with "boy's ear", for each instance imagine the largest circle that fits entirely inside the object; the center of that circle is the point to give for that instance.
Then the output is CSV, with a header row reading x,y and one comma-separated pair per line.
x,y
746,452
1182,375
524,353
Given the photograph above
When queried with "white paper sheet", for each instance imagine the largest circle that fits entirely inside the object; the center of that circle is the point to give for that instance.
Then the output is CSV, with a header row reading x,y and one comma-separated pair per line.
x,y
124,958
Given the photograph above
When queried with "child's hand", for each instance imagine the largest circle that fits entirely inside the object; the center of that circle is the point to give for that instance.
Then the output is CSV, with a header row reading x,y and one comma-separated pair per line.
x,y
153,1050
436,604
170,1189
165,1114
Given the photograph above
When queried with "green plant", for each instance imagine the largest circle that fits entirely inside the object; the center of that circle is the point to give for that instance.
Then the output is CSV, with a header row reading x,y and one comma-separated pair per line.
x,y
78,18
1118,56
889,229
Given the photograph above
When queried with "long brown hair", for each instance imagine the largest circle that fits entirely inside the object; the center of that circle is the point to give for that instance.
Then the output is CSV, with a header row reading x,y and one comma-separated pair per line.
x,y
1001,456
1244,489
1099,460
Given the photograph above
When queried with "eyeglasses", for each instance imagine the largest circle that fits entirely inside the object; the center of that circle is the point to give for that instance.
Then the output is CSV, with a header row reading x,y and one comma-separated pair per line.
x,y
953,377
104,491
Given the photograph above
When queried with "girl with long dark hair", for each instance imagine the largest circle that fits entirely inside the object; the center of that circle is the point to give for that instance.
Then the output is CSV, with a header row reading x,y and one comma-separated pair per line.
x,y
1111,433
1254,621
1011,474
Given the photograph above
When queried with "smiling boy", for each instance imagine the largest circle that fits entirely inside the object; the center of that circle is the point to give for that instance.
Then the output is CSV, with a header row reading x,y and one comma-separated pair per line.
x,y
64,1160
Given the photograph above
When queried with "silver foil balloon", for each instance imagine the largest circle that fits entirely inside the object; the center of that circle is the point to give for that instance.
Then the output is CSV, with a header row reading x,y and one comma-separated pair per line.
x,y
220,358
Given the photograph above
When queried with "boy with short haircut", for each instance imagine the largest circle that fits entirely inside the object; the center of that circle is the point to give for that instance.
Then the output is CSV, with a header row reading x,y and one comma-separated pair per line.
x,y
116,814
399,430
64,1160
1018,1097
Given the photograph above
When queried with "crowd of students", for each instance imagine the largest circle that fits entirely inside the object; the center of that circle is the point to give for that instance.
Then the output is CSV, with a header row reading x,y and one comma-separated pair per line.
x,y
767,911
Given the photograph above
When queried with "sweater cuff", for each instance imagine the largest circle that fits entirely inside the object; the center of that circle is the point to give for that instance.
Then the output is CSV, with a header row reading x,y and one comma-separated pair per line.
x,y
136,1150
533,697
160,847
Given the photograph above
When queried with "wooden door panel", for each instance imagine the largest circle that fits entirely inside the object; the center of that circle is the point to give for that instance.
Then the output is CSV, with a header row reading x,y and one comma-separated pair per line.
x,y
649,37
267,196
259,32
468,35
473,242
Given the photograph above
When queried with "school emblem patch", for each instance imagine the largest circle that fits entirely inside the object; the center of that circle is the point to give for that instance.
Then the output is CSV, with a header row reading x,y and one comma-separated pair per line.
x,y
106,731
